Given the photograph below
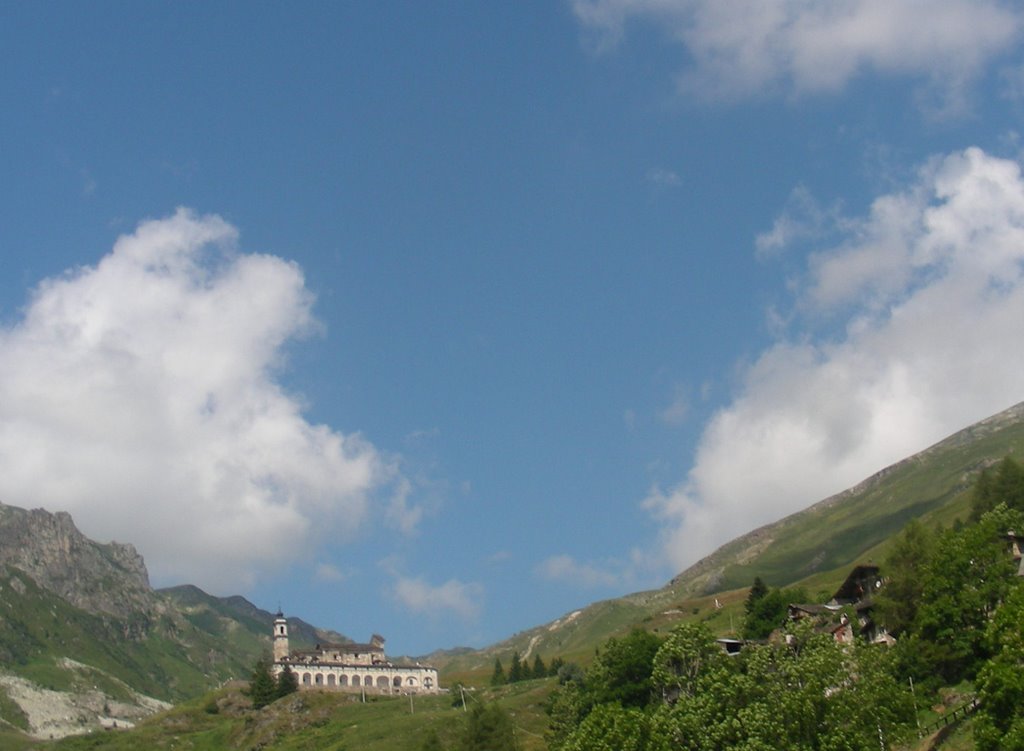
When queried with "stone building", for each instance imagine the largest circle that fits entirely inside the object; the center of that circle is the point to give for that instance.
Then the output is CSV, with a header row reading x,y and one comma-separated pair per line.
x,y
356,668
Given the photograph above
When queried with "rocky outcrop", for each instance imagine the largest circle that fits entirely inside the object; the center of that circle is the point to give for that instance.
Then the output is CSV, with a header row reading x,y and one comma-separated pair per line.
x,y
99,578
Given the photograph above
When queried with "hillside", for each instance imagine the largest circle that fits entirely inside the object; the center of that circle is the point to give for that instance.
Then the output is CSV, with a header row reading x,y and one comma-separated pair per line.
x,y
815,547
84,639
67,639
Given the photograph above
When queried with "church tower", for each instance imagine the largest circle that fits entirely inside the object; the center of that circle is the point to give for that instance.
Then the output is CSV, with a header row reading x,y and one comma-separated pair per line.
x,y
280,637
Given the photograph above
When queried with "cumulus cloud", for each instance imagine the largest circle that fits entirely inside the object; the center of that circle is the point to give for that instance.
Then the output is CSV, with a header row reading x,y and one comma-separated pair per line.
x,y
140,395
809,46
454,596
802,219
926,293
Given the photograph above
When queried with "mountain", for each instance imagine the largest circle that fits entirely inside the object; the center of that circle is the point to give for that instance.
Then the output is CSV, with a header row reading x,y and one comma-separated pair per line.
x,y
85,640
815,548
81,629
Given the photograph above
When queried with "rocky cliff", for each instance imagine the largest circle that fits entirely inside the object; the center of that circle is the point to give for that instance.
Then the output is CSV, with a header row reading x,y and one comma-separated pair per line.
x,y
98,578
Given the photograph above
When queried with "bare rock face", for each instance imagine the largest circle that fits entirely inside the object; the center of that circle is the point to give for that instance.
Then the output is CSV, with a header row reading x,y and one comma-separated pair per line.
x,y
98,578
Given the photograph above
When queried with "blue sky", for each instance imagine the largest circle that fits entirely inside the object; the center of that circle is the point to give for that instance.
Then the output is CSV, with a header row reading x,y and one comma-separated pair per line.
x,y
440,320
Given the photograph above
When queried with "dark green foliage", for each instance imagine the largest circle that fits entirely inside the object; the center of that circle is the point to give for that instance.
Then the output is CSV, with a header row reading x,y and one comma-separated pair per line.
x,y
622,670
262,687
768,612
516,671
566,710
431,742
539,669
970,573
287,682
1000,718
569,672
758,590
611,727
905,573
1004,484
488,728
809,694
555,666
498,676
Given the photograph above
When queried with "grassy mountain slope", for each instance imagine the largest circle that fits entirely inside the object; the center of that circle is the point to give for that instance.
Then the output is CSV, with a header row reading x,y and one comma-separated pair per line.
x,y
815,548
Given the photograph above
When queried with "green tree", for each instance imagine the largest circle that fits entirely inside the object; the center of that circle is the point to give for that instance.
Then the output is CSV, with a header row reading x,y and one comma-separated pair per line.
x,y
566,710
809,694
621,672
555,666
768,612
905,572
539,669
686,656
488,728
262,686
287,682
611,727
498,676
999,722
516,669
1003,484
970,573
758,590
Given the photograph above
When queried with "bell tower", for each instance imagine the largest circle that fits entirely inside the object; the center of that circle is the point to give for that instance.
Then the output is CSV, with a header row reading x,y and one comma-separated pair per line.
x,y
280,637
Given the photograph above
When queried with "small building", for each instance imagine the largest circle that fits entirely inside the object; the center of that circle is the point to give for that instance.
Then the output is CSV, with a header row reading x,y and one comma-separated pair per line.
x,y
355,668
854,596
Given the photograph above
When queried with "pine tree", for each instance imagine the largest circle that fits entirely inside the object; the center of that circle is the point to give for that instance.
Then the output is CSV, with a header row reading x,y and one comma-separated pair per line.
x,y
498,676
262,686
539,669
757,591
515,670
287,682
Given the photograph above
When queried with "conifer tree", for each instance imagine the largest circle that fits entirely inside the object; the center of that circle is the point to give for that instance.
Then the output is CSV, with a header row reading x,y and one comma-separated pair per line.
x,y
287,682
498,676
515,670
539,669
262,686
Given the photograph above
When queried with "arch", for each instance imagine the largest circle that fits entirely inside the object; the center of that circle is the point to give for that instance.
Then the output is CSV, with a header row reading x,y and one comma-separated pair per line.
x,y
382,682
330,679
319,679
355,680
343,680
306,679
397,681
411,681
428,682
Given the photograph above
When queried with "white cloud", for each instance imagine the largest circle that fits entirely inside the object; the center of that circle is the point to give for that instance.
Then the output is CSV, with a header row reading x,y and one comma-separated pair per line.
x,y
927,293
454,596
328,572
663,178
140,395
678,409
566,569
738,49
801,219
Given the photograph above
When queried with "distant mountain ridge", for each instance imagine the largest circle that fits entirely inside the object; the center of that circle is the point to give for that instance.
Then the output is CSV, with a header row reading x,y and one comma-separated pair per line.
x,y
816,545
79,619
